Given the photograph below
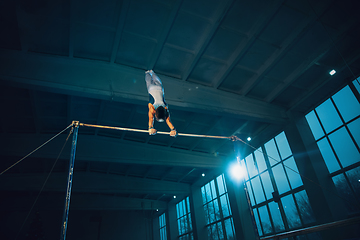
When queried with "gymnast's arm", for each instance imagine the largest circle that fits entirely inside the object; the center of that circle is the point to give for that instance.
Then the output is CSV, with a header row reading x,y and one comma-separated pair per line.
x,y
173,132
151,113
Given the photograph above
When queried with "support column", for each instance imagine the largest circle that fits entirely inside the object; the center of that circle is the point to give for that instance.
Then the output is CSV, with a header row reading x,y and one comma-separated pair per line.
x,y
198,213
171,222
75,129
244,222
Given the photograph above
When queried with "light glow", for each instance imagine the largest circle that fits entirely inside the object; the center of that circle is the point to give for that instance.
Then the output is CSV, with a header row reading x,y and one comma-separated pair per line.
x,y
174,196
203,174
332,72
249,139
237,171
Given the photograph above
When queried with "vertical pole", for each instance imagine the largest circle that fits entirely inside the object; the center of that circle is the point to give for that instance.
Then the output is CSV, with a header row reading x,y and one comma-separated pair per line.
x,y
75,129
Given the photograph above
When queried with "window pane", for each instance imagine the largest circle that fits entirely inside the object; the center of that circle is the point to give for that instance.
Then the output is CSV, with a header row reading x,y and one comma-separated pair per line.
x,y
344,147
314,125
207,213
224,205
251,166
216,209
208,192
294,177
291,212
203,194
220,184
229,229
272,152
328,155
259,156
283,145
354,128
306,212
250,192
354,179
258,192
213,191
276,217
348,105
280,179
345,192
265,178
257,221
328,116
265,220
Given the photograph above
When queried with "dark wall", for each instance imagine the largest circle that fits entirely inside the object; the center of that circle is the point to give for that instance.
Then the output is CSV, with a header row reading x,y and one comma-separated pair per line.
x,y
89,225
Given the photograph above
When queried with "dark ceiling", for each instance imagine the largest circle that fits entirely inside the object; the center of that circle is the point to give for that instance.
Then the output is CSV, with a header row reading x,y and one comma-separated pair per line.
x,y
229,67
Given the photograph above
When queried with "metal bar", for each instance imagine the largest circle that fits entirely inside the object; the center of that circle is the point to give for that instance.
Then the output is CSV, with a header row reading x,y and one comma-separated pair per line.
x,y
317,228
69,183
146,131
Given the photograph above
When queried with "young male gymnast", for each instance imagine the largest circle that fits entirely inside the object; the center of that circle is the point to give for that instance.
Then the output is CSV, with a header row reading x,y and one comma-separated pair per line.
x,y
158,108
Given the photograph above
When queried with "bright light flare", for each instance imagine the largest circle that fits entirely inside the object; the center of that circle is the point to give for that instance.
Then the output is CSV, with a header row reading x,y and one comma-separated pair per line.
x,y
237,171
332,72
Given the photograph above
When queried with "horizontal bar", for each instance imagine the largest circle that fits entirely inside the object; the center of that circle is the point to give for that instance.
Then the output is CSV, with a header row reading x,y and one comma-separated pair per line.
x,y
312,229
147,131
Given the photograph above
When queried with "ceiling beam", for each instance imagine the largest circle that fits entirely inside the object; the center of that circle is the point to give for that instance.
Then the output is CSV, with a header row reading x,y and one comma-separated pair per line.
x,y
90,78
81,202
90,182
103,149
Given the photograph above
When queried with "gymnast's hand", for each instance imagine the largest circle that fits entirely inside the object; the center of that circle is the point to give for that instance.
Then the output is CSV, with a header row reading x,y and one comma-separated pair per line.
x,y
152,131
173,133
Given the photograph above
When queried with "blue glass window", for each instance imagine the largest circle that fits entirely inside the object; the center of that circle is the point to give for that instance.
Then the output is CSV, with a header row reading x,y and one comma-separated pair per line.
x,y
258,191
344,147
217,210
314,125
260,160
257,222
328,116
354,128
293,173
251,166
283,145
272,152
291,212
280,179
328,155
265,178
306,212
276,217
265,219
162,224
346,102
251,194
344,190
354,179
184,218
229,227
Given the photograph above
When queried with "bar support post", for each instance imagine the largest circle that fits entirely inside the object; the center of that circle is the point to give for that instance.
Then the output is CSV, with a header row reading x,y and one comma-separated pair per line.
x,y
75,129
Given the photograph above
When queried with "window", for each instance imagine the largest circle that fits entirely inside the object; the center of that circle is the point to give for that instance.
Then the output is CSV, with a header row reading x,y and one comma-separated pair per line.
x,y
184,220
162,223
272,170
218,214
335,125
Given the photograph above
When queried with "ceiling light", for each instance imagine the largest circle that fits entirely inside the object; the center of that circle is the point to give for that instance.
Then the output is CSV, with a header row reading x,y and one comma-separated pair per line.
x,y
332,72
203,174
174,196
249,139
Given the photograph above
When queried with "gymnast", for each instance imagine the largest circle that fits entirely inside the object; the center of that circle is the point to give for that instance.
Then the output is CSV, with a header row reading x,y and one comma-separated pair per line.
x,y
157,105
